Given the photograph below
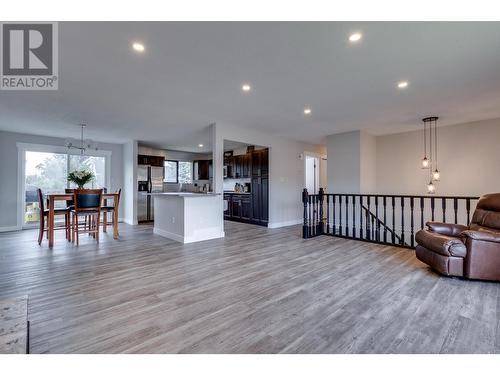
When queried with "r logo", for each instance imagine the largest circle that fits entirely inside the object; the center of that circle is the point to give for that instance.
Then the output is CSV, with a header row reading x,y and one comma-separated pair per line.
x,y
27,49
29,56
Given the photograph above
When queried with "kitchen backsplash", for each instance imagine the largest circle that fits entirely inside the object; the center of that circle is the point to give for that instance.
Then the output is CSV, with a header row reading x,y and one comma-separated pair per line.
x,y
230,182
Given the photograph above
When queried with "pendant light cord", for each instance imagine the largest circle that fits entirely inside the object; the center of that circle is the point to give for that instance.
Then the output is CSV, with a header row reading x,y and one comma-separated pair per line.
x,y
435,142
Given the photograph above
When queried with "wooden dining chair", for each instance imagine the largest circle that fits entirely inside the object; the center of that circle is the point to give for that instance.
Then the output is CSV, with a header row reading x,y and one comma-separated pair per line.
x,y
107,209
44,215
87,204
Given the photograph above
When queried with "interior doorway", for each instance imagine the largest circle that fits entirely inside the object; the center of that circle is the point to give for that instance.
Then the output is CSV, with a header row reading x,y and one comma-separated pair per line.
x,y
315,172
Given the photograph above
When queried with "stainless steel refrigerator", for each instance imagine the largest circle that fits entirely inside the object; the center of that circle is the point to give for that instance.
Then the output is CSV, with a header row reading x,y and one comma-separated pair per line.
x,y
149,180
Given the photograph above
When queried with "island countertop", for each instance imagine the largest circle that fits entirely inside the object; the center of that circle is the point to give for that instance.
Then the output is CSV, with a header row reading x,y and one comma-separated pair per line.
x,y
184,194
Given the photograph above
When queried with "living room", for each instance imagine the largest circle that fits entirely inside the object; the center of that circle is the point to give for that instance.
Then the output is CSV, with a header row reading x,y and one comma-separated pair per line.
x,y
286,185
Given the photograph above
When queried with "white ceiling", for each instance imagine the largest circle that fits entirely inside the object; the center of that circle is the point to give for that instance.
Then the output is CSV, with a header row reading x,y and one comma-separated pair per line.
x,y
191,75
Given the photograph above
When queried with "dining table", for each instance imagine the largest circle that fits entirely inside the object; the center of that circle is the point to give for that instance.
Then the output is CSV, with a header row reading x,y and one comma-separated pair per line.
x,y
54,197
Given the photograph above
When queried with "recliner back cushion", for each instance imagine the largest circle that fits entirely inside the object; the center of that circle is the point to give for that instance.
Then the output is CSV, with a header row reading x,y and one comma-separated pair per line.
x,y
487,212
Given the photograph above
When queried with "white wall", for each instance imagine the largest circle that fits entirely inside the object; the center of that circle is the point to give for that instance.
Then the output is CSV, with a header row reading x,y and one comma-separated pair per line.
x,y
129,199
368,163
469,160
343,162
9,171
286,169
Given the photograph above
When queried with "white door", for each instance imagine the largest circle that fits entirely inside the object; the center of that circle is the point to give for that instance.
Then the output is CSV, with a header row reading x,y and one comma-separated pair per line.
x,y
312,166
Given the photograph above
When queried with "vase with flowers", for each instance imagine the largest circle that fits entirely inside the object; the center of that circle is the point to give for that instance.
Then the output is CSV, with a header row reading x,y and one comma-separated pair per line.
x,y
81,177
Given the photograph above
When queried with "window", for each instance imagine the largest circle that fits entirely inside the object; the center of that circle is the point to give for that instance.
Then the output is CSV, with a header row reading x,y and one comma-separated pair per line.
x,y
185,172
46,168
178,172
171,171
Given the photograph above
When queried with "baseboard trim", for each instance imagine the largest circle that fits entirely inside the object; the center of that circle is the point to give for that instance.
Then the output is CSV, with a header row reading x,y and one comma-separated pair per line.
x,y
9,229
129,222
281,224
186,240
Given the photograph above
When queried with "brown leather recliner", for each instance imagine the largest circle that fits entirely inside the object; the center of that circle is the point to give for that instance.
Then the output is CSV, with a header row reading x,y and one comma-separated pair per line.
x,y
472,252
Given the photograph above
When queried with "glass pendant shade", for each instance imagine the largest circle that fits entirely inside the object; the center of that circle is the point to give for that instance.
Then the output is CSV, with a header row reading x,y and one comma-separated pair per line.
x,y
425,163
431,188
436,175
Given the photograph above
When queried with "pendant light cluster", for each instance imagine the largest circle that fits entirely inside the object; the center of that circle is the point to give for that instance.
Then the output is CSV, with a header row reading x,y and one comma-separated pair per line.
x,y
430,160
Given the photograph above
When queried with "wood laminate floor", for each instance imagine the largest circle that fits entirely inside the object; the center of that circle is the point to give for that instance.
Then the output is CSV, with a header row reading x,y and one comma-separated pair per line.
x,y
258,290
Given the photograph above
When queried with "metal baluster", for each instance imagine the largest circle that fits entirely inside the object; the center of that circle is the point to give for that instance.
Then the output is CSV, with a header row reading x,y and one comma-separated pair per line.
x,y
361,230
444,209
412,230
393,201
421,212
432,208
467,207
385,218
347,215
310,215
455,209
402,241
377,221
368,223
354,216
334,223
327,214
340,215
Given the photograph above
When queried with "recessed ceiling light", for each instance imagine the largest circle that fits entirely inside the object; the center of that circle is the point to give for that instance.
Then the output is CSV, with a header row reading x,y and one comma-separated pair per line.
x,y
139,47
356,37
200,145
307,111
246,87
403,84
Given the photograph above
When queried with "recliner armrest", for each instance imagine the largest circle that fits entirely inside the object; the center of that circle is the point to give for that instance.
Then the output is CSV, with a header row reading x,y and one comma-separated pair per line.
x,y
482,235
453,230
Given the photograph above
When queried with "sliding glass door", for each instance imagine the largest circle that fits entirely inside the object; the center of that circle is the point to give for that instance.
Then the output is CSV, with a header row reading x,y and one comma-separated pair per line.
x,y
47,170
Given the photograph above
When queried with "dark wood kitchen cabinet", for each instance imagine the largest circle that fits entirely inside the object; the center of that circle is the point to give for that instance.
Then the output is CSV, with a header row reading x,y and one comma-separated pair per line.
x,y
254,207
260,163
202,169
260,186
238,166
154,161
239,207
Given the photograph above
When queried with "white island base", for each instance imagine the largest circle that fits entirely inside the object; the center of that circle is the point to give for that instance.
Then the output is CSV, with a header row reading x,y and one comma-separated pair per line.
x,y
188,217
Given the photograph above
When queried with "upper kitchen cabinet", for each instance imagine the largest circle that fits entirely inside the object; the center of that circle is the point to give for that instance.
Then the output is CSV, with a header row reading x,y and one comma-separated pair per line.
x,y
238,166
203,169
154,161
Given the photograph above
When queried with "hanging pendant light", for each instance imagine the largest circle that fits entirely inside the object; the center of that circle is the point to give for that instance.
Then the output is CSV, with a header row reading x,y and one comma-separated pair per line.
x,y
431,161
435,174
431,188
425,161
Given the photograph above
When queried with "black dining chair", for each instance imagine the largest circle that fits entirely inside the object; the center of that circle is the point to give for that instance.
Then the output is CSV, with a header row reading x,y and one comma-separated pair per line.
x,y
44,217
87,204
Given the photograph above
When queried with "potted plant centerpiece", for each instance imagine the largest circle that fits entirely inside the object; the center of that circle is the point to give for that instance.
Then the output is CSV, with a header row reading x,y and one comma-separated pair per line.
x,y
81,177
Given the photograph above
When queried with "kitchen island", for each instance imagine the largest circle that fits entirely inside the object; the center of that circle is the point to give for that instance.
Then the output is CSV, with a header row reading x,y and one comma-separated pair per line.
x,y
188,217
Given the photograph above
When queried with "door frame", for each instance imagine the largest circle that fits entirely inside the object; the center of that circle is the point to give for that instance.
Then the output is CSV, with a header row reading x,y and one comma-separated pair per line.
x,y
320,158
22,147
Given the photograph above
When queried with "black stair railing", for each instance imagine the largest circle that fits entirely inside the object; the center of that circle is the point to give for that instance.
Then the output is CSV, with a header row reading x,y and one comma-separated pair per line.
x,y
381,218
